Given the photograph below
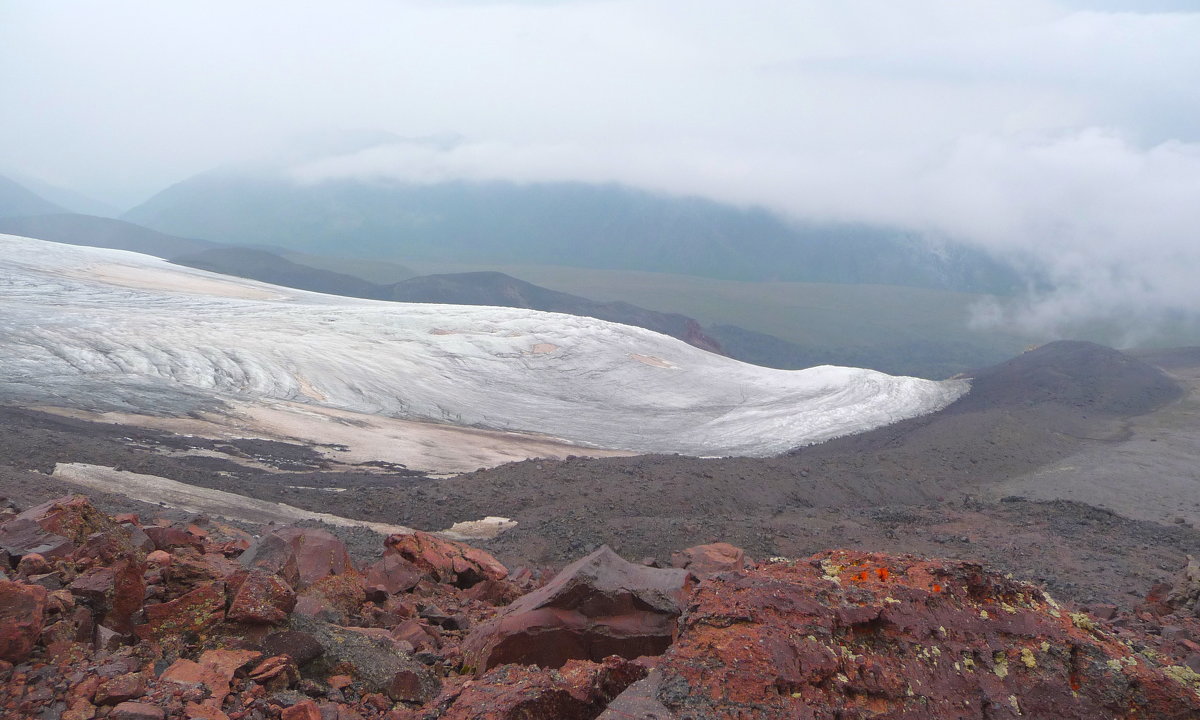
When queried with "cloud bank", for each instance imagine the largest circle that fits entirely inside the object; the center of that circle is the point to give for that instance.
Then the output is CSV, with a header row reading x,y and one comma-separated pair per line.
x,y
1057,134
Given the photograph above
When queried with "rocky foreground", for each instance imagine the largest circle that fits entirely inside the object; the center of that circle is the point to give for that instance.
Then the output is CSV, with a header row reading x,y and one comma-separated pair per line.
x,y
131,619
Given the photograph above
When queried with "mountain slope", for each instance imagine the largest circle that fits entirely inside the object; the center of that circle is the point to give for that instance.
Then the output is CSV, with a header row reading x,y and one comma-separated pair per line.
x,y
575,224
17,200
271,268
498,289
101,232
199,341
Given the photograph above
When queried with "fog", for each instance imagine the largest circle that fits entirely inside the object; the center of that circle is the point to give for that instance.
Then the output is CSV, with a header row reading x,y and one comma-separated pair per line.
x,y
1061,135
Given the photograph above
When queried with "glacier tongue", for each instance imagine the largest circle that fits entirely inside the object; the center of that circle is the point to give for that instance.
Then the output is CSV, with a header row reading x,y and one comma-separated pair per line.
x,y
100,329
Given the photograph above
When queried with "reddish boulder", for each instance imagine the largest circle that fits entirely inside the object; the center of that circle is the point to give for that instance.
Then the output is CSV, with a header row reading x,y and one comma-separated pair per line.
x,y
306,710
120,689
115,593
579,692
446,561
186,615
301,556
22,612
137,711
259,597
53,529
850,634
168,537
708,559
394,574
598,606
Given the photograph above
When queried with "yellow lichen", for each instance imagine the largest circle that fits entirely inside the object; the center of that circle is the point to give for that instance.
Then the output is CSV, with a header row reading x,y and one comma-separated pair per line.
x,y
983,614
1028,659
1016,706
1084,622
1000,665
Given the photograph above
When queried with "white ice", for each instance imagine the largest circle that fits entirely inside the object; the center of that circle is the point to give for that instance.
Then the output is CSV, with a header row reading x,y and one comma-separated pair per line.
x,y
113,330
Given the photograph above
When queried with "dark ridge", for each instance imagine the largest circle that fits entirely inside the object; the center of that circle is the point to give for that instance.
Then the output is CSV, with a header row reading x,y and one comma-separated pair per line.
x,y
268,267
1073,373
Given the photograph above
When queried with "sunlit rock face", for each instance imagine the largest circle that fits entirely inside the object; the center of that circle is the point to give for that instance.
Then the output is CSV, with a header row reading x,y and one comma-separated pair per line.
x,y
110,330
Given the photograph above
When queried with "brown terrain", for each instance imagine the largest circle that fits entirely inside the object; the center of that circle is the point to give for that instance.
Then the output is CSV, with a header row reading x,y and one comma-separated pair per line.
x,y
1068,475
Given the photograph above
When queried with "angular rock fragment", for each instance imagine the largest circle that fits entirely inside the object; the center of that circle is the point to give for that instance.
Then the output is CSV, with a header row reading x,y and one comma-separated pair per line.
x,y
22,611
708,559
301,556
598,606
446,561
259,597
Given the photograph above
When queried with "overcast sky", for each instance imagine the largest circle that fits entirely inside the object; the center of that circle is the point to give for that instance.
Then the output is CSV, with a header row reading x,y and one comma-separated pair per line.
x,y
1068,130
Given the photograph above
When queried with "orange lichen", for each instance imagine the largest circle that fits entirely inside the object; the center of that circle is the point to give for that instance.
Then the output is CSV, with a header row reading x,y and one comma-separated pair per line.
x,y
883,574
937,588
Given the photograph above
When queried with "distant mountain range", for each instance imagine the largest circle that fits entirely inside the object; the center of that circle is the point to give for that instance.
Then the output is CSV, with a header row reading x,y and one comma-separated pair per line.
x,y
908,348
563,223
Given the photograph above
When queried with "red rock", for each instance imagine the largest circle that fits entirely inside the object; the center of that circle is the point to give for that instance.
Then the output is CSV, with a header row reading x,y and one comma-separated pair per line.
x,y
342,594
394,574
857,635
418,634
22,536
446,561
306,710
513,692
159,558
137,711
301,556
598,606
119,689
199,711
109,545
72,517
188,614
213,671
259,597
708,559
22,612
115,593
339,681
167,538
33,564
276,673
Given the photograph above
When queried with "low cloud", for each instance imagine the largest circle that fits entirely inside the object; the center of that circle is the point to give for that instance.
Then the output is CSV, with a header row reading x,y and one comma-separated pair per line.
x,y
1059,134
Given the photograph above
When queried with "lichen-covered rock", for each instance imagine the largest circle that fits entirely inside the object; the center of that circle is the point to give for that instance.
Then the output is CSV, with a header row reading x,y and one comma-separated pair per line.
x,y
22,612
375,661
184,616
848,634
259,597
446,561
598,606
114,592
1185,596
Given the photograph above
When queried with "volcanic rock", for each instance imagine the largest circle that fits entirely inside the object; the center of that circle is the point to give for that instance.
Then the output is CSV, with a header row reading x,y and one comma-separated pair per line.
x,y
578,692
259,597
708,559
137,711
446,561
22,611
598,606
1185,596
394,574
849,634
375,661
301,556
186,615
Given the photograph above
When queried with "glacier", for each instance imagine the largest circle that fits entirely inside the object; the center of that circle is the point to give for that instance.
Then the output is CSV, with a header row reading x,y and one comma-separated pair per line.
x,y
109,330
